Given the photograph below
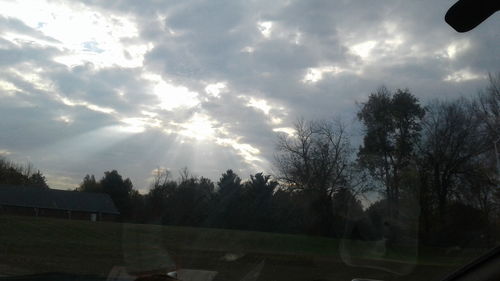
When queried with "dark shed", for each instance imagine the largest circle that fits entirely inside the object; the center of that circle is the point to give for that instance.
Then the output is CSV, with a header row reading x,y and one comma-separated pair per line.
x,y
29,200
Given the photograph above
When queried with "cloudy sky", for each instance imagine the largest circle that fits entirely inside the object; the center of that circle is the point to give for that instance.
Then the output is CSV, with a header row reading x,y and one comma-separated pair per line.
x,y
131,85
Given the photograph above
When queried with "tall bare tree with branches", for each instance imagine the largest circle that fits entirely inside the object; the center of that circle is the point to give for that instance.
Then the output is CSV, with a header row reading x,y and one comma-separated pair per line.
x,y
316,160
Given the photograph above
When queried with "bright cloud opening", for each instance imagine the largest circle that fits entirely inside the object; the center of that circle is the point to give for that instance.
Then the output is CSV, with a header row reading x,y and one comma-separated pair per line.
x,y
315,74
33,75
396,37
65,119
133,125
85,35
287,130
172,96
265,27
88,105
463,75
7,86
276,120
215,89
199,127
259,104
455,48
363,49
247,151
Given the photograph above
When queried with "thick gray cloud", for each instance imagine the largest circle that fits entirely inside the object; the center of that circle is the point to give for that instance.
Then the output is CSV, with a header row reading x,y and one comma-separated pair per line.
x,y
136,86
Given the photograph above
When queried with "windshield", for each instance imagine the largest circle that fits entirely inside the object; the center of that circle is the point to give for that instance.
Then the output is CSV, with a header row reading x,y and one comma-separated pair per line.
x,y
246,140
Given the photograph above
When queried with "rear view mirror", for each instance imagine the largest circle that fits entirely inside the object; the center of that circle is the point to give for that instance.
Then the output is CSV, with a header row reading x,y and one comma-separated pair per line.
x,y
465,15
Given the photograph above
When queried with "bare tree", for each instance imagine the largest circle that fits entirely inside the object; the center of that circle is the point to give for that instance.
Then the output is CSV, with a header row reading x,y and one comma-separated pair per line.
x,y
316,157
316,161
488,107
160,178
451,147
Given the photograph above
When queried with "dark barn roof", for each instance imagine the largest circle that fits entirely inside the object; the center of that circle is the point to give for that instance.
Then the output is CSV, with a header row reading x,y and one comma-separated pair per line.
x,y
35,197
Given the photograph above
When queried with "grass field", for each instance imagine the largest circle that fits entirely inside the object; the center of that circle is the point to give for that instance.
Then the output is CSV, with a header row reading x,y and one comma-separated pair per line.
x,y
34,245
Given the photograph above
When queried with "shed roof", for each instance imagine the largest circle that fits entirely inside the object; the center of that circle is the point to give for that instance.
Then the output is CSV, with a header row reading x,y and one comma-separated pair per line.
x,y
35,197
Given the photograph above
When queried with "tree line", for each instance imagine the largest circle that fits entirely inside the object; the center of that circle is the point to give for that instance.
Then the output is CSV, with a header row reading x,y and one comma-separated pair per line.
x,y
424,172
15,174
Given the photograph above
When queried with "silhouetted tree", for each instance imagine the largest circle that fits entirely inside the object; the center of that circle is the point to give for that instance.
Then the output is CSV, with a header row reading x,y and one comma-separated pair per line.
x,y
89,184
14,174
226,203
157,198
346,208
292,212
487,107
38,179
316,161
256,201
451,143
391,129
186,202
190,202
119,190
138,210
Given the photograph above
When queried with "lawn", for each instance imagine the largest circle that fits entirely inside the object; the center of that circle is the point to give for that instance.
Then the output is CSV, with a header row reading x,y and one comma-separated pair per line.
x,y
33,245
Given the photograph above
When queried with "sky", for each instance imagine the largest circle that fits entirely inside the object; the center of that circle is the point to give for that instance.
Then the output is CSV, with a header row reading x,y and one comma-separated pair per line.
x,y
136,86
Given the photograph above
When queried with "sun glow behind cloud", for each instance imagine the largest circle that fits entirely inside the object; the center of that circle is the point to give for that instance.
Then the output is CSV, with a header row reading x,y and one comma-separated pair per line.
x,y
84,35
199,127
171,96
202,129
